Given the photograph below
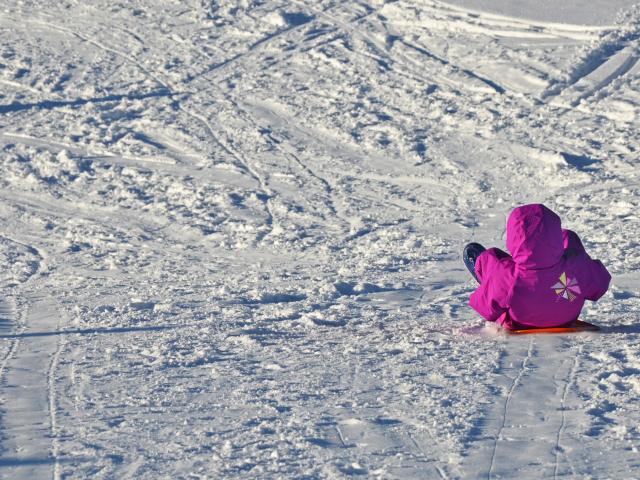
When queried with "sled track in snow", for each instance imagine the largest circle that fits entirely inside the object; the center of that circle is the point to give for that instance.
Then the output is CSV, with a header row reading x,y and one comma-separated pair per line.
x,y
28,419
532,432
8,316
505,411
8,311
53,405
567,386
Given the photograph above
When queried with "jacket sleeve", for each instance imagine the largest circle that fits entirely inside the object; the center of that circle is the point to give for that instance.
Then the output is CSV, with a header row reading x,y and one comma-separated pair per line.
x,y
597,274
490,299
488,261
599,279
572,241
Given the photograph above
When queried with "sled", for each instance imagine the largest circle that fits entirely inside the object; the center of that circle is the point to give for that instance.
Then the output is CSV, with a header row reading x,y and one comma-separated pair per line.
x,y
574,327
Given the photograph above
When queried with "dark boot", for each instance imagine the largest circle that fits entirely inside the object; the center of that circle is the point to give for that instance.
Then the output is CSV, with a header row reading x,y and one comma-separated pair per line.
x,y
469,255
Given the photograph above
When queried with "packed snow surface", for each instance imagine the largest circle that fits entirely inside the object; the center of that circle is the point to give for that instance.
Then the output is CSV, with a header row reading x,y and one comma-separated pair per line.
x,y
230,237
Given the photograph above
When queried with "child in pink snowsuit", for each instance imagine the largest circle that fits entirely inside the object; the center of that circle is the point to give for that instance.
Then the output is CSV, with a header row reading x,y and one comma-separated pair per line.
x,y
545,280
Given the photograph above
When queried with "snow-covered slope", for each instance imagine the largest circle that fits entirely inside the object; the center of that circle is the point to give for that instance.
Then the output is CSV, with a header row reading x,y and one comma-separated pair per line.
x,y
230,237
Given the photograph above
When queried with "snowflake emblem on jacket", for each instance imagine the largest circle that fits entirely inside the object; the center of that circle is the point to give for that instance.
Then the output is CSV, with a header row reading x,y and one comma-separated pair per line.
x,y
567,288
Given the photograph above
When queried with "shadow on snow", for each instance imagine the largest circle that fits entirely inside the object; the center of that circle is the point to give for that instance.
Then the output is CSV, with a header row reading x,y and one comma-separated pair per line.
x,y
92,331
51,104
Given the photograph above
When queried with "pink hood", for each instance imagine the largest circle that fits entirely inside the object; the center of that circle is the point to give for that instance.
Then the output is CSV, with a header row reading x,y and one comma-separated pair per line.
x,y
534,237
545,280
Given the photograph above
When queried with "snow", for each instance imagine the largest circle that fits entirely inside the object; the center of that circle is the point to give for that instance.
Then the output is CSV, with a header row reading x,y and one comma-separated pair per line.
x,y
230,237
586,13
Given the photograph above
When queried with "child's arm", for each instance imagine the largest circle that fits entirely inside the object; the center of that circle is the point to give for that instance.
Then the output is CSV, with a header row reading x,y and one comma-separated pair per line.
x,y
488,261
596,272
484,301
599,280
572,241
490,299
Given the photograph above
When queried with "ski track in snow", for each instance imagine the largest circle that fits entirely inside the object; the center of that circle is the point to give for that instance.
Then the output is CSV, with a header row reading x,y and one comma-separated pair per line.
x,y
7,324
230,237
28,409
567,387
505,410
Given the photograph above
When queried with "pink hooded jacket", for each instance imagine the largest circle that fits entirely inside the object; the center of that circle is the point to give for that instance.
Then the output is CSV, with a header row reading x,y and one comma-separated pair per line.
x,y
547,278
